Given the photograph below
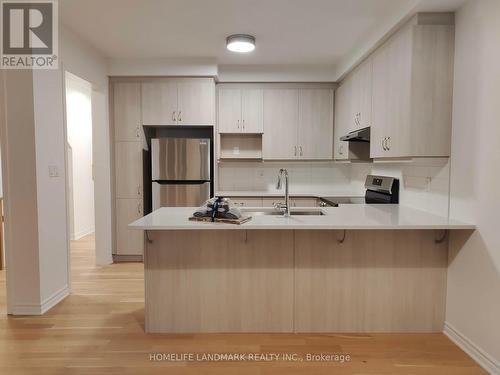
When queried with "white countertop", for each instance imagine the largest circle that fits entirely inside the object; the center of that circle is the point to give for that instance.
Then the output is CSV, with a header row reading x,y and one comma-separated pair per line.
x,y
279,193
349,216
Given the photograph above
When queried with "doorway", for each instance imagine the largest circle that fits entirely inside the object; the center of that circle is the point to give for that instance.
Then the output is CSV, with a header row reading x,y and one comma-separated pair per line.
x,y
80,178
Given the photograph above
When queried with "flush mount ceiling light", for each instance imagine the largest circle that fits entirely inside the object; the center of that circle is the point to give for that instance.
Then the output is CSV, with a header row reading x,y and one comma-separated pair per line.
x,y
240,43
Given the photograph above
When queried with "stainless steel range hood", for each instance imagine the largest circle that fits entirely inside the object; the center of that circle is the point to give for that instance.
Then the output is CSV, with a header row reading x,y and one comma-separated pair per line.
x,y
360,135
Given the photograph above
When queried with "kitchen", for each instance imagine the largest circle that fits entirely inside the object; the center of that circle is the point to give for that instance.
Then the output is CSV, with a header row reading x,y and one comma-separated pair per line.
x,y
276,188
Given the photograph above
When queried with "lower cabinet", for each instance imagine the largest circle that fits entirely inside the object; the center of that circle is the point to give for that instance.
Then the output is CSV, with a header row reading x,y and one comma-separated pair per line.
x,y
128,241
294,202
246,202
271,202
305,202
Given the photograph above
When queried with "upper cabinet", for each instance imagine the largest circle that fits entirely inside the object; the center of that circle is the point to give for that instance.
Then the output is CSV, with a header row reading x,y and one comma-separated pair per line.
x,y
343,120
241,110
403,92
183,101
298,124
412,90
361,96
127,111
315,131
353,111
281,121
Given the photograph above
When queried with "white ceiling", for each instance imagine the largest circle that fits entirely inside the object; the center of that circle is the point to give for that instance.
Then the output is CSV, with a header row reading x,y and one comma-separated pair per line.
x,y
287,31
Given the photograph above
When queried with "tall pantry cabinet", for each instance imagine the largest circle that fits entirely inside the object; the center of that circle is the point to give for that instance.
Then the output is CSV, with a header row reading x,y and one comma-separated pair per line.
x,y
128,181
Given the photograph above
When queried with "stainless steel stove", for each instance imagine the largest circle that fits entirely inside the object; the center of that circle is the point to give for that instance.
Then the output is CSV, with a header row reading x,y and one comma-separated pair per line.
x,y
379,190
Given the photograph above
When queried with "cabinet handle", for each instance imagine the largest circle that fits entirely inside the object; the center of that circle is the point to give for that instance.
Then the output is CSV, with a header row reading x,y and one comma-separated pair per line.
x,y
388,143
243,124
383,144
139,209
173,116
179,118
137,132
238,124
340,150
300,148
139,190
295,150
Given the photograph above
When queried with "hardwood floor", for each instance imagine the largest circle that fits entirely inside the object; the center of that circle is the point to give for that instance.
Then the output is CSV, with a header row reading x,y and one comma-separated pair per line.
x,y
99,330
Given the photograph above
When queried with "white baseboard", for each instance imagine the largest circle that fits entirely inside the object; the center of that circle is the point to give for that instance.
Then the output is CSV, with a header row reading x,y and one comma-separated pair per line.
x,y
40,309
485,360
54,299
82,233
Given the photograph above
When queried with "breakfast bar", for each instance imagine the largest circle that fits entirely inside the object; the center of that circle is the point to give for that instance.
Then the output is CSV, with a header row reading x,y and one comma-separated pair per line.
x,y
352,268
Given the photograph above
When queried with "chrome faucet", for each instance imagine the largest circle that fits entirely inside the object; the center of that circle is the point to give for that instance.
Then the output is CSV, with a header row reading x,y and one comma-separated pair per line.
x,y
280,206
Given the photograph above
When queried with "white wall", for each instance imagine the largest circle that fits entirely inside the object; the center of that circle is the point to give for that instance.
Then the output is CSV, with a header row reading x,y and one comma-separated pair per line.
x,y
19,186
79,135
163,67
51,191
85,62
35,226
473,300
276,73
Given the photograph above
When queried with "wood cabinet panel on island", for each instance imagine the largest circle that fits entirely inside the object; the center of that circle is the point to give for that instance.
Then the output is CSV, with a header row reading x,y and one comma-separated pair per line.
x,y
231,280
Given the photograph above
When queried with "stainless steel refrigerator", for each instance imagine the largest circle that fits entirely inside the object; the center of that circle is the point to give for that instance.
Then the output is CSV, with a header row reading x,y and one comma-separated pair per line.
x,y
180,171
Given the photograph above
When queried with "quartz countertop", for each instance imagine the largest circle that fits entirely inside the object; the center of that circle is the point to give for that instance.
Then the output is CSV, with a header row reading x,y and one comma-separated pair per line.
x,y
348,217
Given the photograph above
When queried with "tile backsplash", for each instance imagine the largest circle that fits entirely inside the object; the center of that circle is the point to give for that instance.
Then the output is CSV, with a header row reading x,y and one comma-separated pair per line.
x,y
305,177
424,183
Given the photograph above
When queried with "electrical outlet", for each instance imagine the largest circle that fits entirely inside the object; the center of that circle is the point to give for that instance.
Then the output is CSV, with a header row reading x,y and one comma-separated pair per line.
x,y
53,171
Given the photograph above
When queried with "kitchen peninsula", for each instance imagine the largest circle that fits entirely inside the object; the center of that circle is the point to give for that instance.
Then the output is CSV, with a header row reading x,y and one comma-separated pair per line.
x,y
352,268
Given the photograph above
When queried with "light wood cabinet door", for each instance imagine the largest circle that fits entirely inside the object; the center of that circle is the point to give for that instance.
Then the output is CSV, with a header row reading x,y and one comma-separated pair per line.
x,y
390,133
272,202
304,202
315,130
246,202
127,111
361,96
159,103
196,102
128,169
342,116
229,120
252,111
281,120
128,241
